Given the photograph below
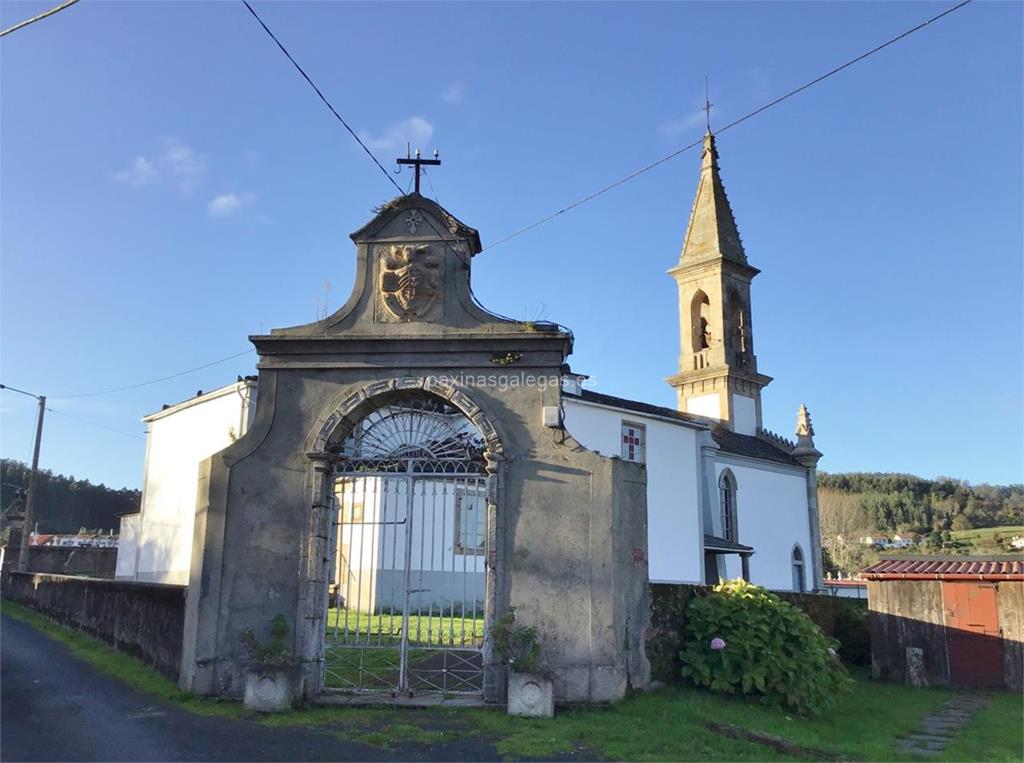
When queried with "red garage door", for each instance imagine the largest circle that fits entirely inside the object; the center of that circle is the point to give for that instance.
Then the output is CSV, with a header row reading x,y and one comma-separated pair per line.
x,y
973,635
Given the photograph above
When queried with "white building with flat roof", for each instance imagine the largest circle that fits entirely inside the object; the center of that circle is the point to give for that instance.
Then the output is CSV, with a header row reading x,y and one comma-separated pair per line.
x,y
156,544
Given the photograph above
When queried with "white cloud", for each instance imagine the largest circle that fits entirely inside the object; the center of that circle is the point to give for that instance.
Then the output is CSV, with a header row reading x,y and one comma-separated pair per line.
x,y
139,173
175,160
184,164
682,125
696,117
415,131
454,93
228,204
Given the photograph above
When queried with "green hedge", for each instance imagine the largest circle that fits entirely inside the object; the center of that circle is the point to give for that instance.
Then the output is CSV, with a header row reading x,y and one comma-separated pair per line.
x,y
845,620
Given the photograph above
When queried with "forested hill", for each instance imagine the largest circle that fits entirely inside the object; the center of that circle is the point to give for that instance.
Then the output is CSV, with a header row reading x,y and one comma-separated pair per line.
x,y
64,504
939,513
903,502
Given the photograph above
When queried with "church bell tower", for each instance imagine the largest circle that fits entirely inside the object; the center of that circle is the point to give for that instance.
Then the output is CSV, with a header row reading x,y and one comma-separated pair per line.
x,y
718,375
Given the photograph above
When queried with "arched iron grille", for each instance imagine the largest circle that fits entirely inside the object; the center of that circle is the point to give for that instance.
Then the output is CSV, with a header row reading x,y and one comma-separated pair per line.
x,y
408,553
420,436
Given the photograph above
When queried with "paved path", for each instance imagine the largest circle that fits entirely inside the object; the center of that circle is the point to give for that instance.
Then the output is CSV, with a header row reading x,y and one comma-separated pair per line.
x,y
54,707
937,731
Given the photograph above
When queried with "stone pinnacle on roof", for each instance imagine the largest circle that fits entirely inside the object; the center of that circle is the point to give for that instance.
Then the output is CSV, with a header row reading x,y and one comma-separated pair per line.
x,y
712,231
805,452
804,428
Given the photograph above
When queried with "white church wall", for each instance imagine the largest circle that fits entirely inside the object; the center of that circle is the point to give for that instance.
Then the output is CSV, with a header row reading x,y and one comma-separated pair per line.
x,y
771,509
744,414
674,536
179,439
705,405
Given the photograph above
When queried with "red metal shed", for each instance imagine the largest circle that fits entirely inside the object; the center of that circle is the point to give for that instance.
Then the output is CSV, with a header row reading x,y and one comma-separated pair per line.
x,y
947,620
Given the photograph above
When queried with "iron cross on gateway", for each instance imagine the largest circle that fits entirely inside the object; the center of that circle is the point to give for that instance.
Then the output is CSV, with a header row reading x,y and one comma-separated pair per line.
x,y
418,163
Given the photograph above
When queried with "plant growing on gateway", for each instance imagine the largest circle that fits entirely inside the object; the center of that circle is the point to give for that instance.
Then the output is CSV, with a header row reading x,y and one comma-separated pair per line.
x,y
740,638
518,646
273,655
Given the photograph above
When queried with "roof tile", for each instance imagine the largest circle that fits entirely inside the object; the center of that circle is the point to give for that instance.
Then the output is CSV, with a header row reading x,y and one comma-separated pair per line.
x,y
939,567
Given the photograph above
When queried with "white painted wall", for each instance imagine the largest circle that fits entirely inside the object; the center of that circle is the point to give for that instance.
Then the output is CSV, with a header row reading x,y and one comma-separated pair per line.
x,y
705,405
744,414
771,509
674,538
379,524
127,547
179,439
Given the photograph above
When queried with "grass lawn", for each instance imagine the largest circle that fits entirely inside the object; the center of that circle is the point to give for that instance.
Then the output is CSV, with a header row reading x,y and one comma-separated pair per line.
x,y
665,725
349,627
982,533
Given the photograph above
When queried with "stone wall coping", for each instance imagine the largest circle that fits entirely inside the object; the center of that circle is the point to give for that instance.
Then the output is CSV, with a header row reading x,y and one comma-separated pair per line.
x,y
484,336
128,585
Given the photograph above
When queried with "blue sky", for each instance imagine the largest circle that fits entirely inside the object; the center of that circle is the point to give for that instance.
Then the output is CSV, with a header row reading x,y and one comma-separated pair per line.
x,y
170,186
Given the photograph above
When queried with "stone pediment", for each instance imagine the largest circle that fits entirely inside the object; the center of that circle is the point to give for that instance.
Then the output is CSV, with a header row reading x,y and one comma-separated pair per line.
x,y
414,215
412,281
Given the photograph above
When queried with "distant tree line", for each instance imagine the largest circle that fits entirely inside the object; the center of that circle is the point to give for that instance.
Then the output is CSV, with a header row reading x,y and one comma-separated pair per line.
x,y
855,505
65,504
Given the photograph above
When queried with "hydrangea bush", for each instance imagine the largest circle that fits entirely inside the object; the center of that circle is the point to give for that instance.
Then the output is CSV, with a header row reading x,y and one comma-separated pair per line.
x,y
741,638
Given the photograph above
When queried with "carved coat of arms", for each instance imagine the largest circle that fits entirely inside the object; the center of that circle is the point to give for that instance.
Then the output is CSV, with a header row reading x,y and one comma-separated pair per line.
x,y
410,280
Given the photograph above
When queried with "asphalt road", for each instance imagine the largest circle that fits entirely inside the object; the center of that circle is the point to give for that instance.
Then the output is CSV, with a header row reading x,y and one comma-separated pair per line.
x,y
54,707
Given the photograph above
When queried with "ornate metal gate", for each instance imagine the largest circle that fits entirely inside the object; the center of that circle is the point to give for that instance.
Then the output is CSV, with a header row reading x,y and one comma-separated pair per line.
x,y
407,593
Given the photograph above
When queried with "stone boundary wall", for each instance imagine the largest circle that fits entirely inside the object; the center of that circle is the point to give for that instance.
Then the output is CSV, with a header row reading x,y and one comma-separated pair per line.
x,y
145,620
69,560
841,618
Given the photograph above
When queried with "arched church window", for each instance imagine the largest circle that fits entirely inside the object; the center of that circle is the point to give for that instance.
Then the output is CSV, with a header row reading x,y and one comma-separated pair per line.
x,y
700,321
727,501
798,569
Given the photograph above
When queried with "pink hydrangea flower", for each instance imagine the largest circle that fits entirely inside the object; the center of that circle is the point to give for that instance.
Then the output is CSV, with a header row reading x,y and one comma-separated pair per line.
x,y
717,644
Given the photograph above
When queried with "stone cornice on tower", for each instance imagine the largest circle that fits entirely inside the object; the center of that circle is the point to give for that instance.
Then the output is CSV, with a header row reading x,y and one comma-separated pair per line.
x,y
711,232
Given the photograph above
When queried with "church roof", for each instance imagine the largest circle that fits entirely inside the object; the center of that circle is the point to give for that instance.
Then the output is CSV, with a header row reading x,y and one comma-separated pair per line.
x,y
750,446
636,405
712,231
727,440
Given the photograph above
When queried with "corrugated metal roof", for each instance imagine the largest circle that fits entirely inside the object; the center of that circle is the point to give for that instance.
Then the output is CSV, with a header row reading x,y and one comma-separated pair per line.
x,y
946,567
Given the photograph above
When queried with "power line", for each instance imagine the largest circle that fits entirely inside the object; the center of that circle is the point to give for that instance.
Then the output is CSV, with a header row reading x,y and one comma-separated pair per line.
x,y
40,17
323,98
152,381
97,424
345,124
744,118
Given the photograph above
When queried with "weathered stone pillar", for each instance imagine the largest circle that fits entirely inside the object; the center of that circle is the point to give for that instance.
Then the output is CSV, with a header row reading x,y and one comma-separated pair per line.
x,y
312,609
808,456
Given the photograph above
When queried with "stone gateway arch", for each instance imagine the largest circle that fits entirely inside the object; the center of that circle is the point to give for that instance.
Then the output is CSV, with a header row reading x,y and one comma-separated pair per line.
x,y
406,480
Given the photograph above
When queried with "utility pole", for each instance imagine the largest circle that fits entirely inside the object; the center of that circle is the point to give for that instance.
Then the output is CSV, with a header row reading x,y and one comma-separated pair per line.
x,y
30,498
418,163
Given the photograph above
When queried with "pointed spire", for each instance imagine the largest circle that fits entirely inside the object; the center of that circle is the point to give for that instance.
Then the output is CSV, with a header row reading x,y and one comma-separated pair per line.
x,y
712,231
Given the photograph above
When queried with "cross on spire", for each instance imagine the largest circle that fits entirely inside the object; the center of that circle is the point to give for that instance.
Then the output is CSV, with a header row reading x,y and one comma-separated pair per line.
x,y
707,103
418,163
